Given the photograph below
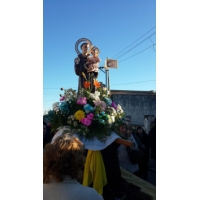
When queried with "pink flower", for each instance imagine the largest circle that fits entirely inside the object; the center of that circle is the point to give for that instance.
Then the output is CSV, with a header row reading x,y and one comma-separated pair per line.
x,y
62,98
86,121
82,101
90,116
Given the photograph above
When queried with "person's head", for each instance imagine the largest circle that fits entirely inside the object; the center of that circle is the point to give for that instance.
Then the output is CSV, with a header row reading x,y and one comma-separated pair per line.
x,y
123,129
84,48
95,51
140,131
63,157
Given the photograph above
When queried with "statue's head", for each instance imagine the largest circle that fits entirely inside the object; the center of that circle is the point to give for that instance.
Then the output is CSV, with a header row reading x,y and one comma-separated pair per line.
x,y
95,51
84,47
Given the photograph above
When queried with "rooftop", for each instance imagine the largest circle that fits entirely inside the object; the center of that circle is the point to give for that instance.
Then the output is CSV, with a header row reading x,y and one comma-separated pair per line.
x,y
133,92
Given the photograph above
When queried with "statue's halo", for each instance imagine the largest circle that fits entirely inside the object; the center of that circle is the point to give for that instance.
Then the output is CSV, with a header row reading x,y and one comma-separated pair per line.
x,y
79,42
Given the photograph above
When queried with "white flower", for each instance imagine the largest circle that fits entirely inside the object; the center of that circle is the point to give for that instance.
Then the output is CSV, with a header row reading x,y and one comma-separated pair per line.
x,y
71,117
94,96
104,89
119,107
75,124
112,111
113,119
109,120
56,106
97,93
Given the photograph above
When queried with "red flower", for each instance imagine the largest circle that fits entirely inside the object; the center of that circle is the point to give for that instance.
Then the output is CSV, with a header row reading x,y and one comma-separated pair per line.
x,y
86,84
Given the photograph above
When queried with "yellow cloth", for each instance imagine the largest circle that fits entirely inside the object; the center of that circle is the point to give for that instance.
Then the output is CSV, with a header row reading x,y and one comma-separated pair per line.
x,y
94,171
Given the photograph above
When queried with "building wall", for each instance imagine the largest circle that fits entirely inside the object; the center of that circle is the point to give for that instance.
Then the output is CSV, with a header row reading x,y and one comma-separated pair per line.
x,y
136,105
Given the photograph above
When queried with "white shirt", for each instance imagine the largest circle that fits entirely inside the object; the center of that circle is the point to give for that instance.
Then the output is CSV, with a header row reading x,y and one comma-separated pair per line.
x,y
69,189
124,160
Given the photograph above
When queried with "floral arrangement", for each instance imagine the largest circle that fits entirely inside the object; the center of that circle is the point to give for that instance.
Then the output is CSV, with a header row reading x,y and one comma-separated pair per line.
x,y
88,114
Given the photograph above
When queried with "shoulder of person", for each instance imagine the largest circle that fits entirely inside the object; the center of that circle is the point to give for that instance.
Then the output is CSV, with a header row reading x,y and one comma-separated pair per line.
x,y
132,138
93,193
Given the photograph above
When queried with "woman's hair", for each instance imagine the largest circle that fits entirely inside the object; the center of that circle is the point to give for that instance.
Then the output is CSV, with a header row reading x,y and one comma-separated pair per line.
x,y
64,157
143,131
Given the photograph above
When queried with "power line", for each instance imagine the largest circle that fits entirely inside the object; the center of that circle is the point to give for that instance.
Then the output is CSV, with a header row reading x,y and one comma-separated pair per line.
x,y
134,41
153,44
52,88
57,88
137,53
133,82
136,45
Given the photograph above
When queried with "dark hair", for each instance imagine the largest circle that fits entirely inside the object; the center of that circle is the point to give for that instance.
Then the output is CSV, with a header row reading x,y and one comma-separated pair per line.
x,y
123,124
139,127
83,44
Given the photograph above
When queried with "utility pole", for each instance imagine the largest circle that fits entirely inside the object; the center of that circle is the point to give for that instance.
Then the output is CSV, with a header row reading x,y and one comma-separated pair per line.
x,y
108,64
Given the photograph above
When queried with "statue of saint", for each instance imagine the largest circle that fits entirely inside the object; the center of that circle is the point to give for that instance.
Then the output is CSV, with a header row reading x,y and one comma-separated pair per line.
x,y
87,64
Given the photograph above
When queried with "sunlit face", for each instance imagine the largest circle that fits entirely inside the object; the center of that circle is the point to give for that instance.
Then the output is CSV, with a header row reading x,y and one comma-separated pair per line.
x,y
85,48
95,52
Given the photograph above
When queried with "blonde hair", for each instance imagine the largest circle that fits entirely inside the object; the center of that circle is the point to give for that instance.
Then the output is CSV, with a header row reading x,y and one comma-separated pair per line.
x,y
64,157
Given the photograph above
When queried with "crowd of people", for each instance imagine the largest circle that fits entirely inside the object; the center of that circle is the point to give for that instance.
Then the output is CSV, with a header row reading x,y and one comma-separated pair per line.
x,y
136,160
64,163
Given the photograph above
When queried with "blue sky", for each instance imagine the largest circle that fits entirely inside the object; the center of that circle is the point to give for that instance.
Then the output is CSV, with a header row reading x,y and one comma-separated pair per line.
x,y
113,26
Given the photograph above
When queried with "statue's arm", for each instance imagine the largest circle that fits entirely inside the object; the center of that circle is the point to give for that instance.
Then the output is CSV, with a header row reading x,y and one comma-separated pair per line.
x,y
77,66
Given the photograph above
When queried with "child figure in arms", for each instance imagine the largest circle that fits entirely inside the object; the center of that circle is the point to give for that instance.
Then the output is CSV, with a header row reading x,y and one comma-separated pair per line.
x,y
93,61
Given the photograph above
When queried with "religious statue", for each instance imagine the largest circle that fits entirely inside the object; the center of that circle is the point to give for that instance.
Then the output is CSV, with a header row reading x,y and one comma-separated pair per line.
x,y
84,63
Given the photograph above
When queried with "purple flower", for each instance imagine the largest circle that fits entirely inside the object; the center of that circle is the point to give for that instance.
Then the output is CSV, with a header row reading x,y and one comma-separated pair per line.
x,y
82,101
90,116
62,98
114,105
86,121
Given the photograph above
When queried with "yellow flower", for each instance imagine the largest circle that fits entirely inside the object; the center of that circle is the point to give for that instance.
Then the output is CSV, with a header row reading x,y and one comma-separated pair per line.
x,y
79,115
